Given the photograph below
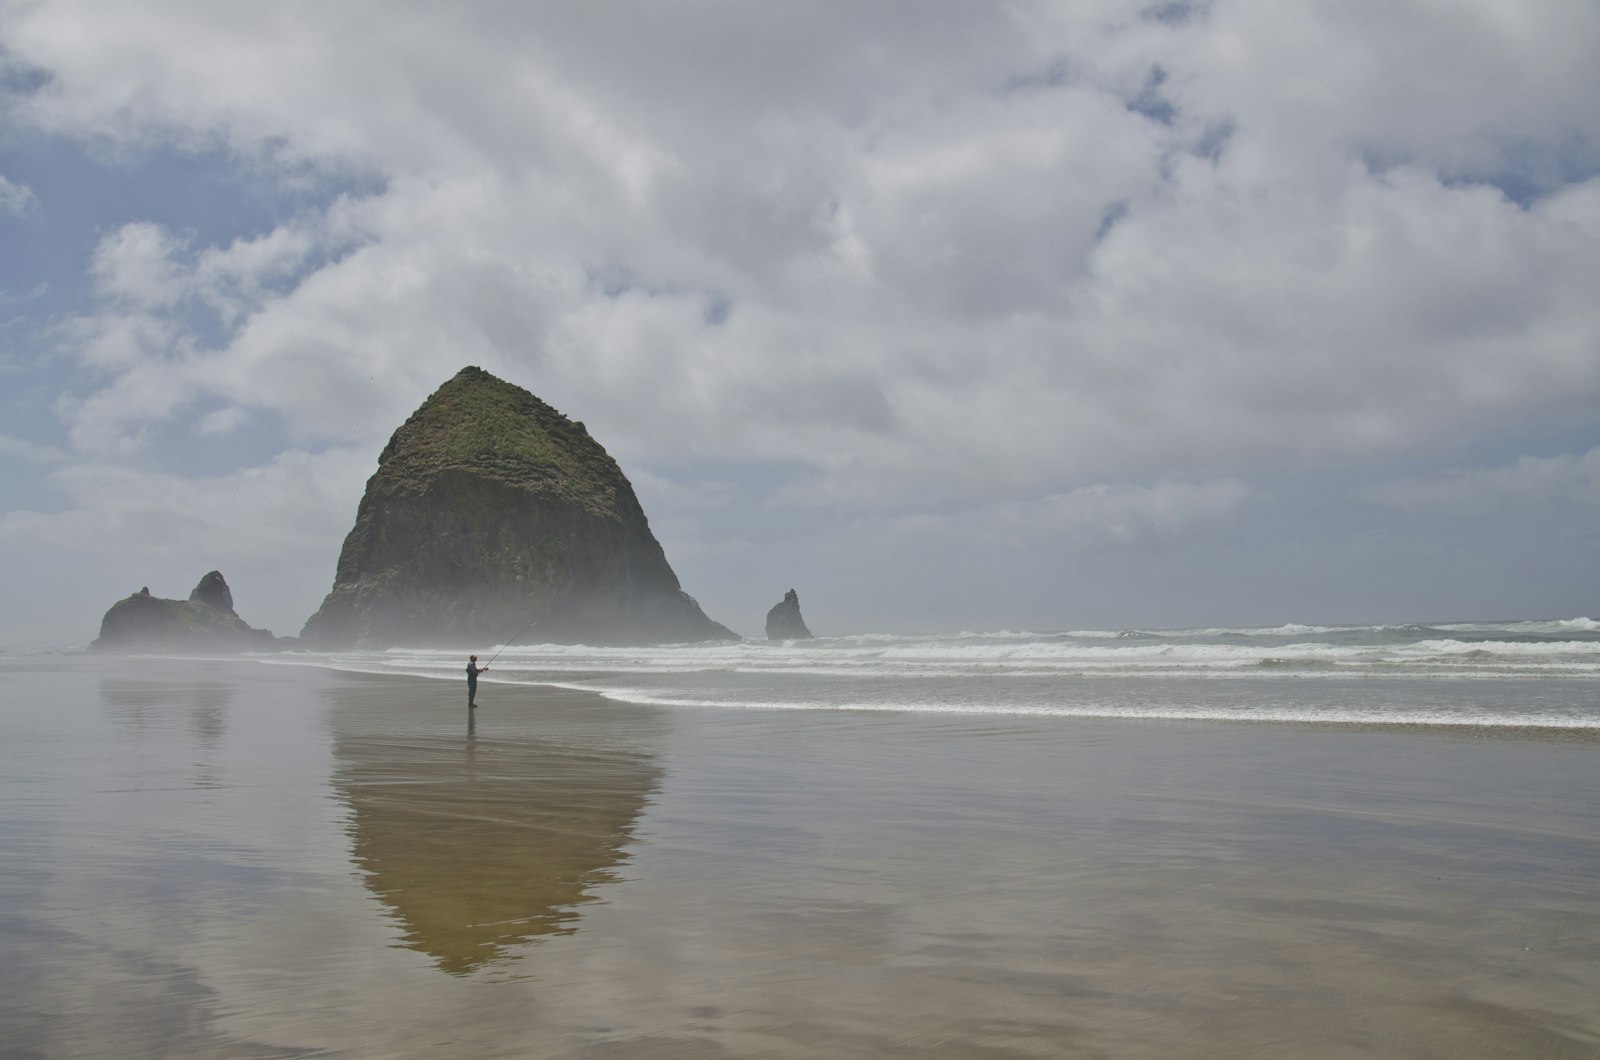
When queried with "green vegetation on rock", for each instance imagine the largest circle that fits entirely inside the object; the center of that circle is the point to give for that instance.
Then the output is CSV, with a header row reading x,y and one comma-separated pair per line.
x,y
498,431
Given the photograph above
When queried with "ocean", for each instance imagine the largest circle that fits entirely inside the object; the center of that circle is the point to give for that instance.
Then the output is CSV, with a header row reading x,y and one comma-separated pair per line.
x,y
1514,673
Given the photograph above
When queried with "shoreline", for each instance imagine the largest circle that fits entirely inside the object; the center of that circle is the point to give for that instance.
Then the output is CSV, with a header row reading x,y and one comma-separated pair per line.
x,y
215,857
1587,732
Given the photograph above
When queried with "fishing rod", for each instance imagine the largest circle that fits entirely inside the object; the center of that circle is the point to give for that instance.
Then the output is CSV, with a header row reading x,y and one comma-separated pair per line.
x,y
531,623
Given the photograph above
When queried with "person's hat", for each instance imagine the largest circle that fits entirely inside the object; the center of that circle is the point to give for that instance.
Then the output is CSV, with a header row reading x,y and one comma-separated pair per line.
x,y
474,656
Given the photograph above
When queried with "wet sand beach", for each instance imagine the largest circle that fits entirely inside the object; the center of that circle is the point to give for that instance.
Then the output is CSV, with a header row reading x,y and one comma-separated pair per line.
x,y
237,859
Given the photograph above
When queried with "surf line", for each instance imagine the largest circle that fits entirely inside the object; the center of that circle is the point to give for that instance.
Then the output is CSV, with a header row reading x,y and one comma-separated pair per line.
x,y
509,640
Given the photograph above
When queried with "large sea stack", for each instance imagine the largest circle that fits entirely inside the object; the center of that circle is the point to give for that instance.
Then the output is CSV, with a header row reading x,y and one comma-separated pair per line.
x,y
491,510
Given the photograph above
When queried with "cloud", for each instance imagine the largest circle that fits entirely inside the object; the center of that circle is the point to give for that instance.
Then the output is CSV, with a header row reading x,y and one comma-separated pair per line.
x,y
1533,486
1099,516
37,291
17,199
135,265
32,452
222,421
866,267
1123,513
158,300
273,530
257,511
879,262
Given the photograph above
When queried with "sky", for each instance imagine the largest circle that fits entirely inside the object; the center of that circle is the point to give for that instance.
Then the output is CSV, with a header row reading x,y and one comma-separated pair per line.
x,y
950,316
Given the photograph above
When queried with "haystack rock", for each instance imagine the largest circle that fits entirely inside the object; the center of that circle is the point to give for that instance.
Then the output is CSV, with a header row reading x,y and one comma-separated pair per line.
x,y
205,622
784,621
490,510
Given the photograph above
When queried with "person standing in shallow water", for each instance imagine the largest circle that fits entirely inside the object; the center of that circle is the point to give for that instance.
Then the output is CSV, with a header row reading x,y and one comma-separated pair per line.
x,y
473,670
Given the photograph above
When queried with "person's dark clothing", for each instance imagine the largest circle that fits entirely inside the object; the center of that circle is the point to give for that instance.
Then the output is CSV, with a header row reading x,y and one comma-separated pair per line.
x,y
473,670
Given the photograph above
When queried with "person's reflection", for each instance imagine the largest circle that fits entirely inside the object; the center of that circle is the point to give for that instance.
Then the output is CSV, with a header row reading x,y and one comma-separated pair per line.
x,y
479,845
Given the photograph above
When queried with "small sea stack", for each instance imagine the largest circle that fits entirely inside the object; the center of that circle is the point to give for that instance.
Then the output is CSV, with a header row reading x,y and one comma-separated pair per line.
x,y
206,622
784,621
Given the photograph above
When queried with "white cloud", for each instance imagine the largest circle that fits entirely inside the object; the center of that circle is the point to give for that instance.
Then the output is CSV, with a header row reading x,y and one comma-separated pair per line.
x,y
904,253
156,297
32,452
1097,516
37,291
222,421
1126,513
136,265
1532,486
16,199
898,261
273,530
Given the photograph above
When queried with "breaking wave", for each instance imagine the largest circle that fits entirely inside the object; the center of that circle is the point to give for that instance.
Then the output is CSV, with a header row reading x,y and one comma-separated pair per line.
x,y
1540,673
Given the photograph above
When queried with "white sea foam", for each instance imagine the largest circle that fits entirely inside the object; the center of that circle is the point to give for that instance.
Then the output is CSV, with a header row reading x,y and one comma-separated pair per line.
x,y
1292,672
1290,629
1482,717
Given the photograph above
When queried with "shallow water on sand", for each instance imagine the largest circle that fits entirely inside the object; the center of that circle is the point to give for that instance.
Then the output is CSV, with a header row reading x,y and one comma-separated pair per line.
x,y
233,860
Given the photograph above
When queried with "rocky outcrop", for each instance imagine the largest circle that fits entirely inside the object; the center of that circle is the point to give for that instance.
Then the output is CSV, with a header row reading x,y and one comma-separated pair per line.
x,y
490,510
784,621
213,591
205,622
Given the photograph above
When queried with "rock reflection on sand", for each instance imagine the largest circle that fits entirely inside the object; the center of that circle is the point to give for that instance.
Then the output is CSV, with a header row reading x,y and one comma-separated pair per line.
x,y
479,844
138,703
